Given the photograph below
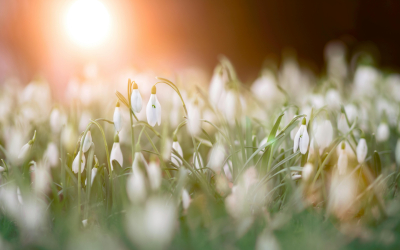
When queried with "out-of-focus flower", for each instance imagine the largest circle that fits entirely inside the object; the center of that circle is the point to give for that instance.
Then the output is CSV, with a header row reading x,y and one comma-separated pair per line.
x,y
362,150
185,199
116,153
217,157
177,147
333,99
153,226
26,148
51,154
42,179
194,123
198,162
267,241
57,120
383,132
136,98
342,161
231,106
154,174
342,124
136,183
308,169
217,86
301,139
393,81
93,175
84,120
117,119
265,89
227,171
87,142
75,163
153,109
324,134
365,79
342,195
69,137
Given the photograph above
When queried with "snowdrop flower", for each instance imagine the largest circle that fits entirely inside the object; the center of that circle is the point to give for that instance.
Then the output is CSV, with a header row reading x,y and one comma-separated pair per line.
x,y
84,223
301,139
194,123
26,148
265,89
362,150
136,98
216,86
324,134
51,154
136,183
365,78
117,119
75,163
2,169
268,241
154,174
230,107
185,199
217,157
227,171
42,179
342,193
57,120
342,161
116,153
342,124
196,161
153,109
94,173
87,142
383,132
295,175
177,147
307,171
333,99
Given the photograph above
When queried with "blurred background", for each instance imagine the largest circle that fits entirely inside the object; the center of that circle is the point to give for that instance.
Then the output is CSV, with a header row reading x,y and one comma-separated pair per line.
x,y
170,35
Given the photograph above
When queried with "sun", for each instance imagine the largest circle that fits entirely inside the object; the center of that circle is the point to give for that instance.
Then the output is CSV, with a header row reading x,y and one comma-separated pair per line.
x,y
87,22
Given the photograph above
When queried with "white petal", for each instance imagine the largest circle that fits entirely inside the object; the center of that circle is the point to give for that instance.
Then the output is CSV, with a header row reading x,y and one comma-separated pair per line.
x,y
24,151
158,109
136,101
116,154
75,163
177,161
296,140
88,142
154,174
185,199
151,111
362,150
304,140
117,119
342,162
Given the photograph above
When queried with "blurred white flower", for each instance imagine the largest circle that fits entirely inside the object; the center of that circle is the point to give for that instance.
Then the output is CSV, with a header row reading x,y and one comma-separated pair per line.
x,y
217,86
230,106
365,79
93,175
342,124
84,120
51,154
116,154
23,153
69,137
174,159
185,199
383,132
75,163
136,183
342,194
301,139
136,99
194,123
342,161
308,169
196,160
324,134
393,81
351,112
362,150
57,120
42,179
87,142
152,227
84,223
333,99
217,157
265,89
227,171
154,174
117,118
153,109
267,241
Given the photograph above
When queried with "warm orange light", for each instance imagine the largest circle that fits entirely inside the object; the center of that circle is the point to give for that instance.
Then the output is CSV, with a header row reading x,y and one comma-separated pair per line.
x,y
87,22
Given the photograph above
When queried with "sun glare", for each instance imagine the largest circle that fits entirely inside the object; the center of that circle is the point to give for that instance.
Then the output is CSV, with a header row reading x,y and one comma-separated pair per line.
x,y
88,22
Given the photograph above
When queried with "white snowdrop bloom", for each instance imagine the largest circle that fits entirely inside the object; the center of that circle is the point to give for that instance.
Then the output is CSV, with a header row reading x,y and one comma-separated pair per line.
x,y
397,152
136,183
295,175
351,112
342,161
87,142
84,120
75,163
153,109
383,106
343,127
42,179
217,86
217,157
57,120
117,118
301,139
136,99
324,134
317,101
25,150
362,150
383,132
153,226
175,159
116,154
194,123
196,161
69,137
333,99
393,82
84,223
227,171
308,169
2,169
230,107
250,177
51,154
93,175
185,199
267,241
154,174
265,89
365,79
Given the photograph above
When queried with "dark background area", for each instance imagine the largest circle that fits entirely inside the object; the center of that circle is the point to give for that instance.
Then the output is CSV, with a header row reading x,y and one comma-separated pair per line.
x,y
179,33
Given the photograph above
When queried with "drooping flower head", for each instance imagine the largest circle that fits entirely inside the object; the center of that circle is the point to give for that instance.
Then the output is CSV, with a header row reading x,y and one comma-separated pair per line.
x,y
342,161
301,139
153,109
362,150
136,99
116,153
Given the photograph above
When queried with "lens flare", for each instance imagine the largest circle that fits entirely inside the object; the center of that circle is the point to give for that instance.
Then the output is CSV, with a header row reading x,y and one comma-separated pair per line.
x,y
87,22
